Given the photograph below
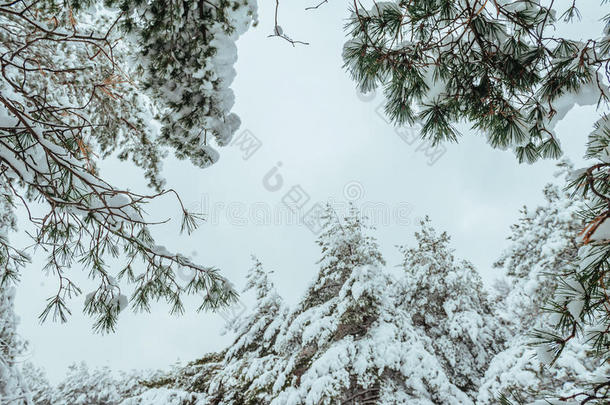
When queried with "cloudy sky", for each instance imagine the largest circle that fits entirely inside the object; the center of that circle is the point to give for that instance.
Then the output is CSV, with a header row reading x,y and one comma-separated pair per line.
x,y
319,140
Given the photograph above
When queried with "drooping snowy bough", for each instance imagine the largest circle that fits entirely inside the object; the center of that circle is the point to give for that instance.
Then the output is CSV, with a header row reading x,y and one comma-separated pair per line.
x,y
82,80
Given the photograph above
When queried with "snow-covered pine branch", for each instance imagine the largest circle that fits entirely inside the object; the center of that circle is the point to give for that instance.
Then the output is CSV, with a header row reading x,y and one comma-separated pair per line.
x,y
86,79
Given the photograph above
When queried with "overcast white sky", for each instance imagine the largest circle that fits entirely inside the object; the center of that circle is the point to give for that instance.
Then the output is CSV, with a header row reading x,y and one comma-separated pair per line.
x,y
303,107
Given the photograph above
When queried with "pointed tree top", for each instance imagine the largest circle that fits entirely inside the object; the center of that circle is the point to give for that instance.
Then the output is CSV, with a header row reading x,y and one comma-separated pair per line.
x,y
258,279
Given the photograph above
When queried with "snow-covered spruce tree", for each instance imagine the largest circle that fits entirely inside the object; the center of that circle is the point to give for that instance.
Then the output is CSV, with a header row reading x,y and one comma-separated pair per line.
x,y
12,387
349,341
345,246
500,66
240,374
246,375
82,80
259,327
83,385
542,245
39,389
12,346
331,317
446,301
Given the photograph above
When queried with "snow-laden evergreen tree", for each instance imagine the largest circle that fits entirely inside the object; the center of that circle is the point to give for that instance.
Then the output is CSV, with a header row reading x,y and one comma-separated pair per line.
x,y
501,67
355,339
245,375
83,385
258,329
542,245
12,346
241,373
447,302
325,334
345,246
39,389
85,79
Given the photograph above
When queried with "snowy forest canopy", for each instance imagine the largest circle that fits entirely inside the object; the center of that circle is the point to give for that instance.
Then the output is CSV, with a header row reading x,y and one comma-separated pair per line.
x,y
364,332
